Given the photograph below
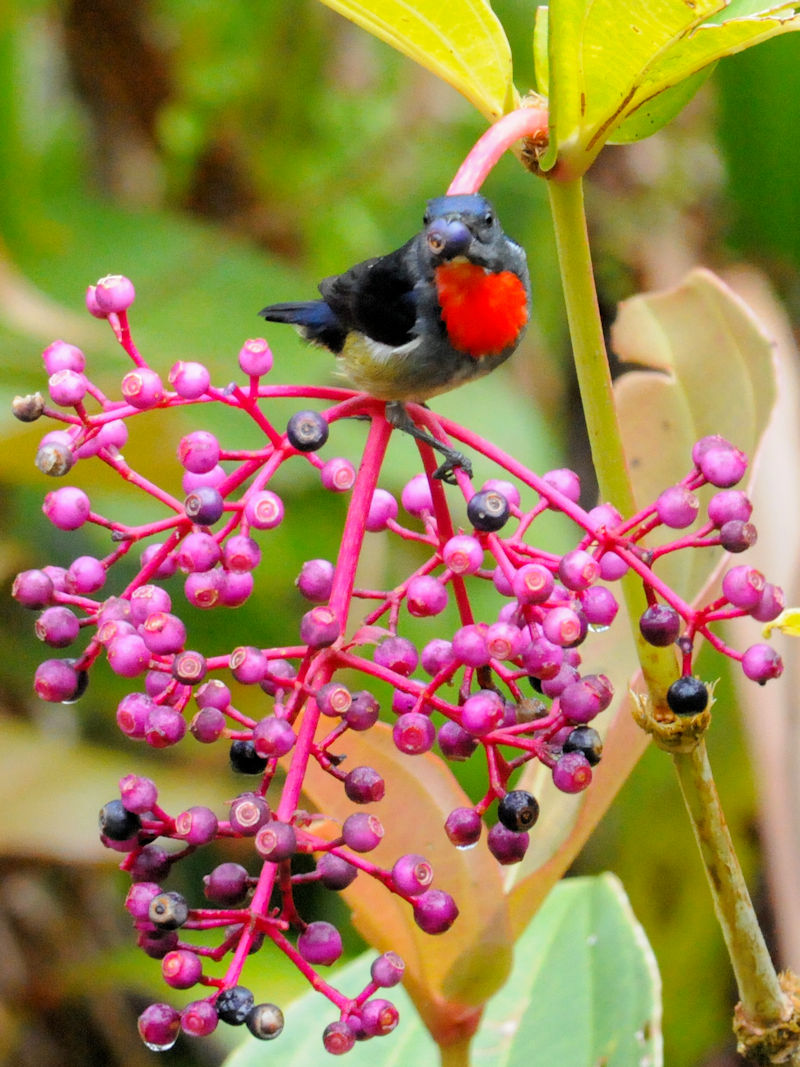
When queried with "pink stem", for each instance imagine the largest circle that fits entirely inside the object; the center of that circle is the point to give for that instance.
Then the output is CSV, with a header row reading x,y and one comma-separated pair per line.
x,y
524,122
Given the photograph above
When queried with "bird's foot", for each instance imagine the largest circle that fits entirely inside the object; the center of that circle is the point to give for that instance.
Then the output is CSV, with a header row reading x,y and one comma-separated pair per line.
x,y
399,418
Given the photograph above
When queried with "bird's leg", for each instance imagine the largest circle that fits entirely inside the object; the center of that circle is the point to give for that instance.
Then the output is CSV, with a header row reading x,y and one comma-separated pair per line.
x,y
399,418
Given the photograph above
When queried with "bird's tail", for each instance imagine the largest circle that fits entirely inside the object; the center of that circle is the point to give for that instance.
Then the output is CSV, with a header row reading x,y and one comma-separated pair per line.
x,y
313,318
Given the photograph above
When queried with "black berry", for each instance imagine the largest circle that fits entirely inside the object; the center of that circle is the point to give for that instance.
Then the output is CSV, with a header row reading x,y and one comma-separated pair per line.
x,y
587,740
660,625
117,823
234,1005
245,759
687,696
307,431
488,510
204,505
518,811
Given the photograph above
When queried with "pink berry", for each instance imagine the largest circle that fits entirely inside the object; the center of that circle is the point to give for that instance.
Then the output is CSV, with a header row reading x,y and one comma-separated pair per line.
x,y
435,911
142,388
463,554
362,832
58,627
382,510
426,596
189,379
677,507
761,662
565,481
412,875
743,586
315,580
199,1019
255,357
320,627
413,733
532,584
159,1026
572,773
114,293
338,475
463,827
33,589
199,452
416,496
67,508
67,387
397,654
320,943
507,846
469,645
264,510
482,712
62,356
578,569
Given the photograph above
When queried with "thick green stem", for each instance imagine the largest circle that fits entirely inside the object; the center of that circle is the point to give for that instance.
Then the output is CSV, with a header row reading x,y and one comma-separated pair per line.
x,y
763,1001
456,1055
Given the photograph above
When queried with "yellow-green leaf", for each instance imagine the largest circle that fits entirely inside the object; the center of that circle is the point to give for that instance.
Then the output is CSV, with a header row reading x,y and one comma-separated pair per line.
x,y
611,60
461,41
788,622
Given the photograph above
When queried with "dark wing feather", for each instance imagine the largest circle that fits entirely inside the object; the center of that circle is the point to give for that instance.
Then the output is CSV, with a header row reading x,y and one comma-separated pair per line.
x,y
376,297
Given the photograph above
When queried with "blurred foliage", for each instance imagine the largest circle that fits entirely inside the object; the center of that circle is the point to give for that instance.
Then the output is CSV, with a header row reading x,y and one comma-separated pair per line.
x,y
224,155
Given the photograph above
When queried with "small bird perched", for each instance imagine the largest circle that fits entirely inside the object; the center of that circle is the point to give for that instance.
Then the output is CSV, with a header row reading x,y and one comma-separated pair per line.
x,y
449,306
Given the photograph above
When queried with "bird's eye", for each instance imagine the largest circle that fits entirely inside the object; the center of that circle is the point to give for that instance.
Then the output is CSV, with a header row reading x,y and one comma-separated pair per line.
x,y
426,218
488,218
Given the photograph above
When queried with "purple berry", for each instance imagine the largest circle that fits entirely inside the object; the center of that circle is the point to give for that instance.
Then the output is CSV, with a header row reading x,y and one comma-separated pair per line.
x,y
469,645
463,554
382,510
362,832
199,1019
334,872
159,1026
248,813
578,569
276,841
770,605
729,505
273,737
226,885
542,659
255,357
564,627
572,773
58,627
507,846
198,552
278,677
564,481
338,475
599,606
416,495
86,574
363,711
363,785
164,727
397,654
319,628
554,685
128,655
387,970
455,742
189,379
202,588
234,588
143,602
412,875
737,536
482,712
660,625
434,911
248,664
413,733
67,508
264,510
57,681
532,584
338,1038
315,580
138,794
240,554
504,641
189,667
320,943
761,662
163,633
133,712
677,507
33,589
426,596
197,825
743,586
204,505
436,655
333,699
114,293
181,969
142,388
463,827
379,1017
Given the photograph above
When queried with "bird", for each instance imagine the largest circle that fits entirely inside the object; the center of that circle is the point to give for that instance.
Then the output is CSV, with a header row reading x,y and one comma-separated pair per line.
x,y
447,307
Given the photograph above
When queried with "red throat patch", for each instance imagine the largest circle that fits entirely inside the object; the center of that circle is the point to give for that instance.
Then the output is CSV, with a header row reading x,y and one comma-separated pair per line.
x,y
483,312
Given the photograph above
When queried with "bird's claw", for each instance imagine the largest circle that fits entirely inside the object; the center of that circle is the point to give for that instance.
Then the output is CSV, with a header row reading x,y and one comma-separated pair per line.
x,y
453,461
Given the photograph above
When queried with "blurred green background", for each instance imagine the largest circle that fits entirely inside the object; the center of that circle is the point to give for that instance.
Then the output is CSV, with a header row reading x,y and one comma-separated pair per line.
x,y
229,155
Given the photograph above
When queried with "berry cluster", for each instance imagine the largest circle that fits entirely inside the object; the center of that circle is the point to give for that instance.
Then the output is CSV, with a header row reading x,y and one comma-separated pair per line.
x,y
461,690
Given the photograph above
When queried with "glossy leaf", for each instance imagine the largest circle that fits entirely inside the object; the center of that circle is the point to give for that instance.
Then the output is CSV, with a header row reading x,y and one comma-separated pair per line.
x,y
584,989
462,42
449,974
609,59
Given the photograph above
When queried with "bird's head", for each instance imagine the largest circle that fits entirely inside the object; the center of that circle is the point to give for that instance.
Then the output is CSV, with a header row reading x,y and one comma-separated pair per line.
x,y
465,226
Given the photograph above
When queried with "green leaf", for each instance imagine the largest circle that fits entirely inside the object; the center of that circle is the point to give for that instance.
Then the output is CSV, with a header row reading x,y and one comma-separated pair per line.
x,y
662,109
461,41
711,371
609,59
584,989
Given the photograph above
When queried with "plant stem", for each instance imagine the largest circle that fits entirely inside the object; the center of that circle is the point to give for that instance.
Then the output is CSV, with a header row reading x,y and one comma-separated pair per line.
x,y
762,999
456,1055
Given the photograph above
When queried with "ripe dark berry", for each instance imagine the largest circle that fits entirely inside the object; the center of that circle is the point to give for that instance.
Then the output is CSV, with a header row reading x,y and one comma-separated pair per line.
x,y
488,510
117,823
660,625
245,759
204,505
226,884
265,1021
518,810
307,431
234,1005
587,740
687,696
168,911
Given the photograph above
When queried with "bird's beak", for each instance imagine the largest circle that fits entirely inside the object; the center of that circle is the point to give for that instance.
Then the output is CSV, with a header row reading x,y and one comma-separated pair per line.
x,y
448,238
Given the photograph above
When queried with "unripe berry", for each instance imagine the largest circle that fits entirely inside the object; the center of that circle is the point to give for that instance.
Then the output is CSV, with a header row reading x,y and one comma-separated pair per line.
x,y
142,388
677,507
412,875
397,654
334,872
159,1026
315,580
761,662
463,827
463,554
413,733
226,884
660,625
416,495
426,596
362,832
434,911
320,943
255,357
572,773
189,379
382,509
199,1019
363,785
507,846
338,1038
482,712
114,293
181,969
